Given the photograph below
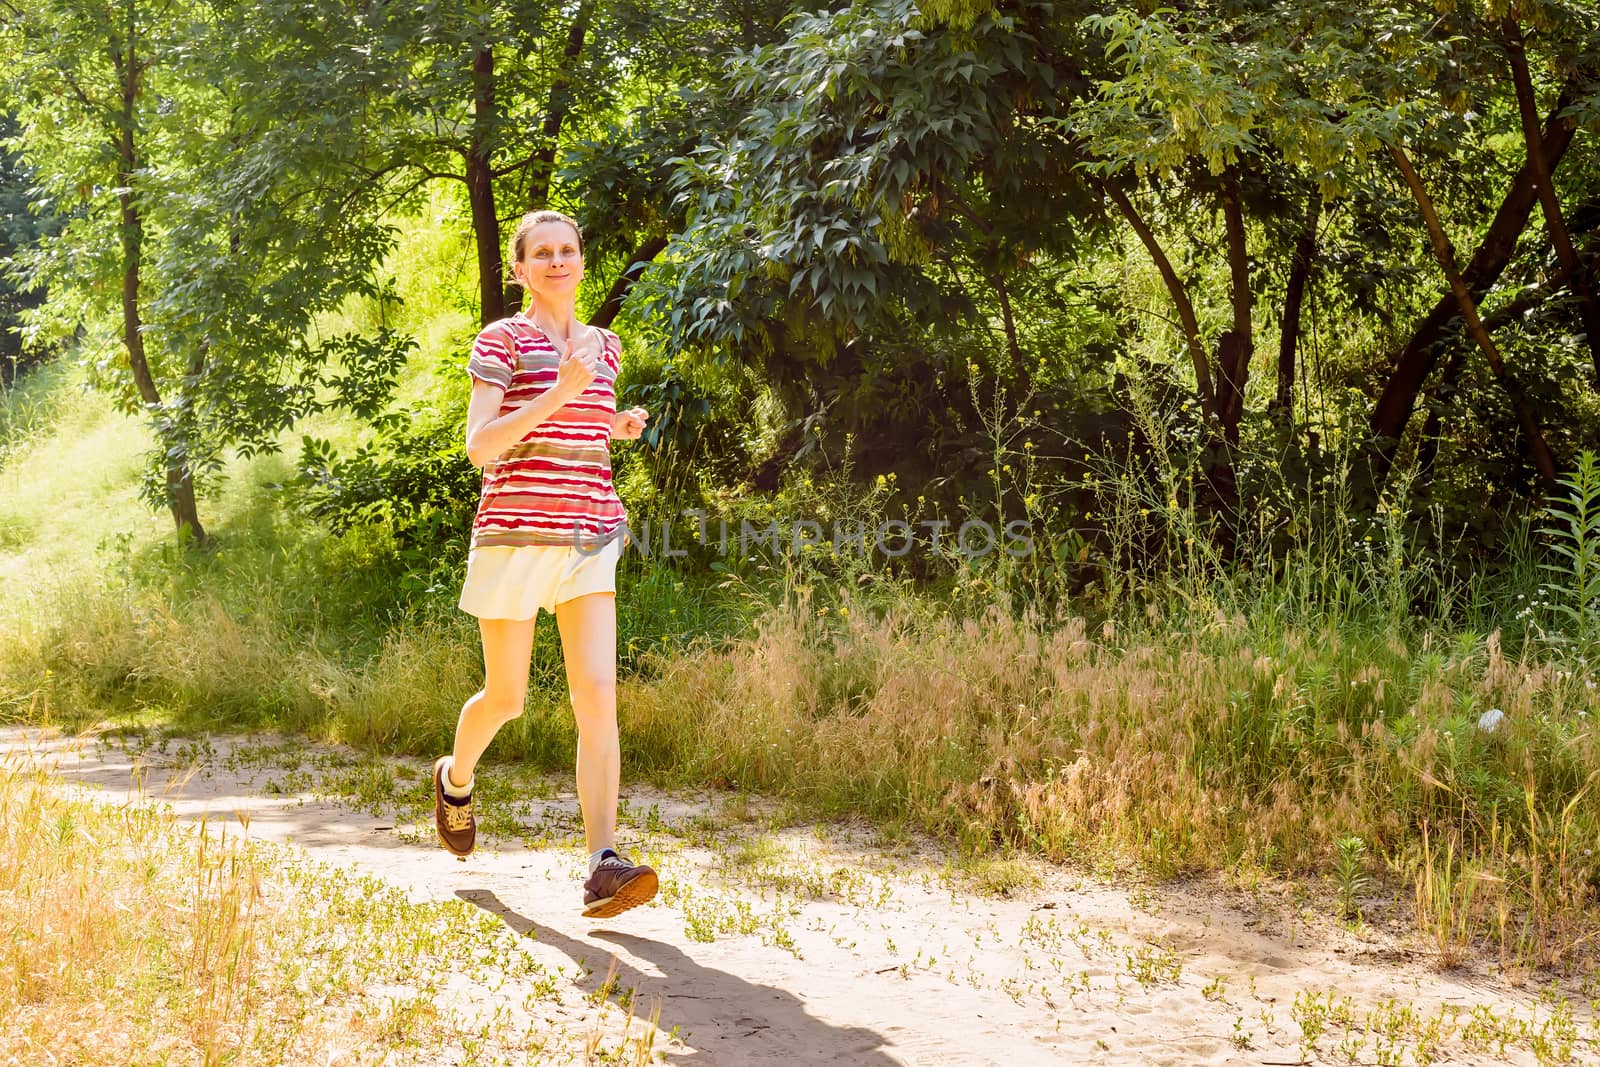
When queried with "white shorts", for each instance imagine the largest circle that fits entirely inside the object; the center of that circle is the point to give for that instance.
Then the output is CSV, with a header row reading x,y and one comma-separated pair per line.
x,y
514,582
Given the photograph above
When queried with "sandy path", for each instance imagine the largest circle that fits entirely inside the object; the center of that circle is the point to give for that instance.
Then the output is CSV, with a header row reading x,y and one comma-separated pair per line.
x,y
845,953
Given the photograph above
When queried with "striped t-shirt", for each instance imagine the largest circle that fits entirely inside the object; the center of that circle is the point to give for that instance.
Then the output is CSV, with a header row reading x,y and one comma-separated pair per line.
x,y
554,487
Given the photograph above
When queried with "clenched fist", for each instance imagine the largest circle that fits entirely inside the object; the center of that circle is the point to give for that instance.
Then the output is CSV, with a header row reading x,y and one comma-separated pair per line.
x,y
628,425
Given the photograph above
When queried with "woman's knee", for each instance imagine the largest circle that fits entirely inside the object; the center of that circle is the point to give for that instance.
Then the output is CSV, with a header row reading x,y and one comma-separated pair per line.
x,y
596,696
502,707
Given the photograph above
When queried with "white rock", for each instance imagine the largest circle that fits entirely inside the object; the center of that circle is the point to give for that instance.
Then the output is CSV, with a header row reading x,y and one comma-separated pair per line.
x,y
1490,720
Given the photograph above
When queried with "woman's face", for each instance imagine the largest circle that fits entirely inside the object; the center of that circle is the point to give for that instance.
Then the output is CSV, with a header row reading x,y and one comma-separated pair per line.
x,y
551,264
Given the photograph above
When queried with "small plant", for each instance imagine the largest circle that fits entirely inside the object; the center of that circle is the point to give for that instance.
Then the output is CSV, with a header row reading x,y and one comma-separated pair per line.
x,y
1575,539
1313,1012
1348,869
1151,965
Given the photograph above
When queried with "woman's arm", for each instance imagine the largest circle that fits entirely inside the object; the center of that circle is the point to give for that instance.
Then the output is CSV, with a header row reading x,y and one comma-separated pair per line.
x,y
490,437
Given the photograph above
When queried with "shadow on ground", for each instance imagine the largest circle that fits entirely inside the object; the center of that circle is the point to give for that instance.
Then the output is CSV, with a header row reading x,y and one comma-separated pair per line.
x,y
727,1018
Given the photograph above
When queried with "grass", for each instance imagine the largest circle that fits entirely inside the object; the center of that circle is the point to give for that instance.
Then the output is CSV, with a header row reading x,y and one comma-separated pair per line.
x,y
136,939
1242,724
794,870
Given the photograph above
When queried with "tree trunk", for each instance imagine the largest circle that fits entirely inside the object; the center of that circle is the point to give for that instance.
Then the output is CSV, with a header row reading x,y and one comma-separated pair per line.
x,y
492,302
555,113
180,483
1566,255
1415,362
647,251
1305,250
1537,446
1237,344
542,164
1008,322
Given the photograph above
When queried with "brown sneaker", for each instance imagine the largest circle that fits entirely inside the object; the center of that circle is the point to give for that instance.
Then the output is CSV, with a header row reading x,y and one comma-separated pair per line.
x,y
452,817
617,885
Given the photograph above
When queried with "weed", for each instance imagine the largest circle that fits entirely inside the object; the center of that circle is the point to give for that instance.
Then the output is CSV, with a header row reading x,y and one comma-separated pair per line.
x,y
1349,872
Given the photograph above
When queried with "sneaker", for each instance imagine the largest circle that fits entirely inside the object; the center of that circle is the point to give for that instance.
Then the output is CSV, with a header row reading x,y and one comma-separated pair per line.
x,y
617,885
452,816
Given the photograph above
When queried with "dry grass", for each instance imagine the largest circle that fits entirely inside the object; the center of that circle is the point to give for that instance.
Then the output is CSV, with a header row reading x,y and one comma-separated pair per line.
x,y
1229,746
133,939
1229,741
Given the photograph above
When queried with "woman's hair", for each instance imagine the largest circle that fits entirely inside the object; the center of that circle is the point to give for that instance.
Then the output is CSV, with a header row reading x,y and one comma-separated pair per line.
x,y
536,218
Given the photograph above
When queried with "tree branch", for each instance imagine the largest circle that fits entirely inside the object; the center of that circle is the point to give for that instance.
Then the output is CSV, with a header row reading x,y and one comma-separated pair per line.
x,y
1469,310
1180,297
648,250
1289,331
1566,255
1416,360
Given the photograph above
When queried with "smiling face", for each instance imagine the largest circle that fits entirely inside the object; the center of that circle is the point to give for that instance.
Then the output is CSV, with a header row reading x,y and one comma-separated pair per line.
x,y
550,261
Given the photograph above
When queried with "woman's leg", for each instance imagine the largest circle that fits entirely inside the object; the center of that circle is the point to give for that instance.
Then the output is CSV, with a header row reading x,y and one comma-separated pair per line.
x,y
507,651
588,626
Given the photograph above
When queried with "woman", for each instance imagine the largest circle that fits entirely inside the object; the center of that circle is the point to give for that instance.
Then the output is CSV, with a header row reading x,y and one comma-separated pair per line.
x,y
547,534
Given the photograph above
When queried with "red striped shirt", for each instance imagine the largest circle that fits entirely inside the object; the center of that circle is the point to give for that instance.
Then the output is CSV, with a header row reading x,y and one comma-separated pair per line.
x,y
554,486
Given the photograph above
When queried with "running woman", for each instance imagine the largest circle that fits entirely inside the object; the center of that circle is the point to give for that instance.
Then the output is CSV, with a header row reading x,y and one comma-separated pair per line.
x,y
548,532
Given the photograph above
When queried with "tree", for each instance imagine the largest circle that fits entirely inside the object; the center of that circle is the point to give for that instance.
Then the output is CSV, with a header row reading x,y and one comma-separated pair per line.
x,y
229,239
80,74
859,236
1451,69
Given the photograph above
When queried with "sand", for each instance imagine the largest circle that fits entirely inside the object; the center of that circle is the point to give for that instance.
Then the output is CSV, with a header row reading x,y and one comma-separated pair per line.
x,y
851,951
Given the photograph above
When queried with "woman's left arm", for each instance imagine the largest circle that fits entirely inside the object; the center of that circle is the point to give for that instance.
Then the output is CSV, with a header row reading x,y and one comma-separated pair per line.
x,y
625,425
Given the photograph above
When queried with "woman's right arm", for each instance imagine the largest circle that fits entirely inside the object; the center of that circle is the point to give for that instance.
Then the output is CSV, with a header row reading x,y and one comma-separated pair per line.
x,y
489,437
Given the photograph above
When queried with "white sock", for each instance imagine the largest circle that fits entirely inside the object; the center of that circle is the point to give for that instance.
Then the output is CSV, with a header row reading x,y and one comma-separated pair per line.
x,y
450,788
595,857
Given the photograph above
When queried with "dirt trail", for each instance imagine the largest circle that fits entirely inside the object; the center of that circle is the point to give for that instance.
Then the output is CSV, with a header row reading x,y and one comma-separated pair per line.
x,y
813,945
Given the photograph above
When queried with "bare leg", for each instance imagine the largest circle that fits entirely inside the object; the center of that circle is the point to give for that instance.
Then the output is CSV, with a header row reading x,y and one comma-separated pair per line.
x,y
588,626
507,651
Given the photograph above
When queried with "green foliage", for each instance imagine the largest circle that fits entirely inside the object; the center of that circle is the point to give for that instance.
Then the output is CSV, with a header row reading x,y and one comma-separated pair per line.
x,y
24,222
414,479
1574,538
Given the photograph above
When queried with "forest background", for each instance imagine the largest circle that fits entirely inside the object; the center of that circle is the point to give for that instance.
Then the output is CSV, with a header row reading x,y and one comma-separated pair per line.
x,y
1278,325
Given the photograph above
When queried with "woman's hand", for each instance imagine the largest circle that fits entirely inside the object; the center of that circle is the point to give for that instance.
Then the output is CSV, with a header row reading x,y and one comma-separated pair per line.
x,y
628,425
577,369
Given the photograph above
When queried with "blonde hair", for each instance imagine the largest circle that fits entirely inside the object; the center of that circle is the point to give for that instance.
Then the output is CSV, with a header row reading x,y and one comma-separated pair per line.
x,y
538,218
